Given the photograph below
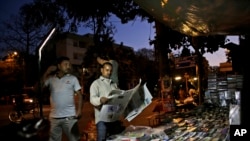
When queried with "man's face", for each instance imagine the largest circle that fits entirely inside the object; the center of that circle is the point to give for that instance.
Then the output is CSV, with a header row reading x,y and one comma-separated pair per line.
x,y
64,67
106,70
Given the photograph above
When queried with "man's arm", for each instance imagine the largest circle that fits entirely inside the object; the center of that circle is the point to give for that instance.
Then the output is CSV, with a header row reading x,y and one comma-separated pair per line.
x,y
95,100
48,73
101,61
79,104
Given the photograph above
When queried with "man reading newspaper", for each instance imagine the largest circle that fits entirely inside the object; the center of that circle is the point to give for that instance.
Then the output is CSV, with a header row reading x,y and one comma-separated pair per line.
x,y
99,92
111,103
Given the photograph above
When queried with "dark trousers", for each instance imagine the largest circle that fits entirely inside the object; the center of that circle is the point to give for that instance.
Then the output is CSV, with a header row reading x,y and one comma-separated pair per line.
x,y
106,129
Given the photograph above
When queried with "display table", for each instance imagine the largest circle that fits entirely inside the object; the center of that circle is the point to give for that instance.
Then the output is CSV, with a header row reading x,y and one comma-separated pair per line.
x,y
205,122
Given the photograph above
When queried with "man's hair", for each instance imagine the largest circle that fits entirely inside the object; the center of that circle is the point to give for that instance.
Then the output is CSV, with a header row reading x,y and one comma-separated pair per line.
x,y
107,63
62,58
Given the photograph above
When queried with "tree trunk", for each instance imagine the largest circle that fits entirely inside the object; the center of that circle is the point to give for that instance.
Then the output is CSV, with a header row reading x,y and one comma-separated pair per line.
x,y
162,48
200,72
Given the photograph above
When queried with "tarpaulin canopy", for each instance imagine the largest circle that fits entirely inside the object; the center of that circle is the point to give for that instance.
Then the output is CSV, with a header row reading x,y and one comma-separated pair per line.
x,y
201,17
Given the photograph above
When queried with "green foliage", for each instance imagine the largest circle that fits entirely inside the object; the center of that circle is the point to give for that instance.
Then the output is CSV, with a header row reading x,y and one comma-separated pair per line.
x,y
208,43
43,13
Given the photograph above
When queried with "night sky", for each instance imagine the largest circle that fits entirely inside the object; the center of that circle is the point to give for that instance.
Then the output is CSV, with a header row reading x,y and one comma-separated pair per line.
x,y
134,34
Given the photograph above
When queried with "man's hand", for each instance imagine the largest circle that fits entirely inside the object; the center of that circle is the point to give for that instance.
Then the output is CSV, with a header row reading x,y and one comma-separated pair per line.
x,y
48,73
104,100
51,69
78,114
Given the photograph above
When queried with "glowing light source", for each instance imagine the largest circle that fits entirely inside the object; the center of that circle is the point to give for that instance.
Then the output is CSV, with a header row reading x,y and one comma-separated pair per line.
x,y
177,78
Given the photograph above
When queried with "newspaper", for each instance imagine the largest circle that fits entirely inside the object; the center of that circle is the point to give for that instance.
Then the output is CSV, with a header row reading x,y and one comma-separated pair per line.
x,y
126,103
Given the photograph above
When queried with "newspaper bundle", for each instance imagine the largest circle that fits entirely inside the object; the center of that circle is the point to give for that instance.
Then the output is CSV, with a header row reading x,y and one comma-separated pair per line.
x,y
127,103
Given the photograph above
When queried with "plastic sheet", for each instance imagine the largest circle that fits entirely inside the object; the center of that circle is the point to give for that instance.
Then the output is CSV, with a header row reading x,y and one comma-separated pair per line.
x,y
201,17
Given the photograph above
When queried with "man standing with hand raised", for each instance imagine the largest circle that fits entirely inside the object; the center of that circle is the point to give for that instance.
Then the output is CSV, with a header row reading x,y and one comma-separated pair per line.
x,y
63,87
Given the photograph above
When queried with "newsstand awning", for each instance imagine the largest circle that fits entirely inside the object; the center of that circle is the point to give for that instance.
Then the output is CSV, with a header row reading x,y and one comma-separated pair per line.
x,y
201,17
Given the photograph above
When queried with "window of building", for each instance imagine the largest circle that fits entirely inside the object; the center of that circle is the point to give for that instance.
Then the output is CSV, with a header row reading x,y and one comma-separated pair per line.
x,y
75,44
82,44
78,56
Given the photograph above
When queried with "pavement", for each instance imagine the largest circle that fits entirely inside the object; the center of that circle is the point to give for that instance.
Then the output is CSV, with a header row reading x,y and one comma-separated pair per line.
x,y
86,124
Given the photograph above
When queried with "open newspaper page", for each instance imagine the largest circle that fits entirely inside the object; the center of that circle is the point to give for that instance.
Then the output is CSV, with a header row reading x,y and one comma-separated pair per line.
x,y
127,103
117,104
140,100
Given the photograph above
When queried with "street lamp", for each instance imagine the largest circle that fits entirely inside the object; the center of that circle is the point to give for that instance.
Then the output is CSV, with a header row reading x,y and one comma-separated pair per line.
x,y
15,53
39,67
12,59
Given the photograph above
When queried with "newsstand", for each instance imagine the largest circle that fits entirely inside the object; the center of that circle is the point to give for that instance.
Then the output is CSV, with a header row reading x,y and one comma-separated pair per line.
x,y
206,122
209,121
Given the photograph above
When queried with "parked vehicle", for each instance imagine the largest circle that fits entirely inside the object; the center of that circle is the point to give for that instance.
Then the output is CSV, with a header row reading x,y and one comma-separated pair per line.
x,y
34,130
23,104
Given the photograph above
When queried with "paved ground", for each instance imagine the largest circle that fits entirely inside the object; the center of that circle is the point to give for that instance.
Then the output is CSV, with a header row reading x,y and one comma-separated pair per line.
x,y
86,122
140,120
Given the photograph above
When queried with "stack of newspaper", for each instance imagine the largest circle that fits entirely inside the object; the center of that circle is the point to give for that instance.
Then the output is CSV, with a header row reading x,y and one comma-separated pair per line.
x,y
127,103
